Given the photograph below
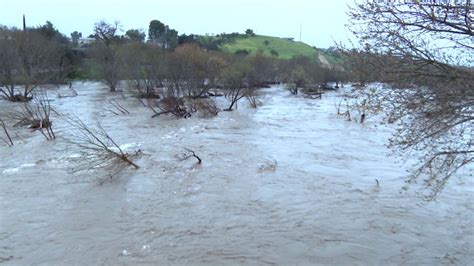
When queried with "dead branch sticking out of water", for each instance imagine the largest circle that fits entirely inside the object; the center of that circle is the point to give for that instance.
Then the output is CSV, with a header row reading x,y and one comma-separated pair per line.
x,y
101,150
192,154
253,100
9,142
149,104
117,108
337,105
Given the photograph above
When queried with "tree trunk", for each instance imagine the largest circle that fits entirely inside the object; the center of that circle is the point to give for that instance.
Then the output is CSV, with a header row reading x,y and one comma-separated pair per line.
x,y
231,105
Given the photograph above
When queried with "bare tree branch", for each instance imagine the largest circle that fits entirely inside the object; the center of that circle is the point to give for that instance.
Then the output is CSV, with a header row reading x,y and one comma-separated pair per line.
x,y
422,51
101,150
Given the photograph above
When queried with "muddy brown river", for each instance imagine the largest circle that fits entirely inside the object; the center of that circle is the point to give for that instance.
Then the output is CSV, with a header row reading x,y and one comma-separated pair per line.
x,y
289,183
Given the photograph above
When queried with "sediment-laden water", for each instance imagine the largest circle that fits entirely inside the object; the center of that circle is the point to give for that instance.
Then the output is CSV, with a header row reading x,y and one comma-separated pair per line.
x,y
289,183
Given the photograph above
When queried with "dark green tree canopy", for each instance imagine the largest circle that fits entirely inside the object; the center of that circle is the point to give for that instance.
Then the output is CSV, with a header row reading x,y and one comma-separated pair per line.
x,y
135,35
75,36
155,30
50,32
162,35
249,32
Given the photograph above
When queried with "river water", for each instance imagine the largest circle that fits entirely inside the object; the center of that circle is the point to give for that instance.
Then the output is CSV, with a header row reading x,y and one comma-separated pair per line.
x,y
289,183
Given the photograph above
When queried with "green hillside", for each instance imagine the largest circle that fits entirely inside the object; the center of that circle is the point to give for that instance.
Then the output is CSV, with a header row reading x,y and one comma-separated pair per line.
x,y
285,48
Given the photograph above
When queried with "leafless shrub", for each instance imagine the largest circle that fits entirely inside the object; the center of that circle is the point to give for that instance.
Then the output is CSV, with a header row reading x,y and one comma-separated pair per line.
x,y
28,59
143,88
191,67
205,107
35,115
39,114
236,82
234,94
253,100
181,107
100,150
338,103
361,101
105,58
173,105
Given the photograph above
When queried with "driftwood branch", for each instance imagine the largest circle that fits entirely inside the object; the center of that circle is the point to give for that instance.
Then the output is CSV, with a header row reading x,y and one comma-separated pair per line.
x,y
192,154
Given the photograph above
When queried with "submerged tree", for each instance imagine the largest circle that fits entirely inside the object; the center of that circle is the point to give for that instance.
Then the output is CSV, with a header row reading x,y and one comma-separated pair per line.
x,y
191,62
235,78
145,65
106,64
29,59
65,58
300,71
104,53
424,51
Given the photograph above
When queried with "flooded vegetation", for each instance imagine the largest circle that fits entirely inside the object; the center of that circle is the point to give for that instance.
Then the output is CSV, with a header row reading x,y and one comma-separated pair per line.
x,y
131,147
289,182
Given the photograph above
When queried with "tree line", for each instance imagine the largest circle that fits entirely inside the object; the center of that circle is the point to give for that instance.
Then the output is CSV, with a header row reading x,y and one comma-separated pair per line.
x,y
185,64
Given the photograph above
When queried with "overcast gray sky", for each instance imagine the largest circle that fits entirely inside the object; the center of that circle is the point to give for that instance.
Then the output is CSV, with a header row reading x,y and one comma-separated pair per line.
x,y
322,21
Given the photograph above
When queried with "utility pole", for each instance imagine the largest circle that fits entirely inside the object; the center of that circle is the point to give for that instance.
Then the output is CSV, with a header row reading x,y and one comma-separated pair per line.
x,y
301,29
166,37
24,23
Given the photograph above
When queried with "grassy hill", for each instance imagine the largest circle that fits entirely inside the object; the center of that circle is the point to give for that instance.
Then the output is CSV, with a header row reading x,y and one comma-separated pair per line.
x,y
285,48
